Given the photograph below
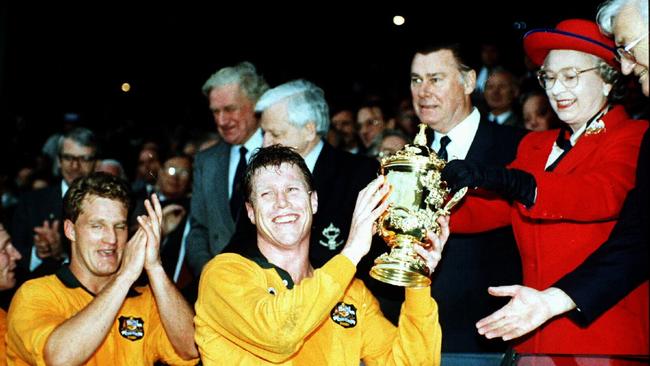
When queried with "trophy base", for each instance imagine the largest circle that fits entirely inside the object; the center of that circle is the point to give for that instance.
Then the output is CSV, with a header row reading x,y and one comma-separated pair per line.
x,y
400,272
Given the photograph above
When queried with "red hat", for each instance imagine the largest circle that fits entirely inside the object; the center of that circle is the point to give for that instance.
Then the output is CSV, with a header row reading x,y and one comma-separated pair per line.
x,y
572,34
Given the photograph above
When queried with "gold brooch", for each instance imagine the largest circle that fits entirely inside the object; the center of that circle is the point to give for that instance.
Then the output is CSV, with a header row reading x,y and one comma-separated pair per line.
x,y
595,127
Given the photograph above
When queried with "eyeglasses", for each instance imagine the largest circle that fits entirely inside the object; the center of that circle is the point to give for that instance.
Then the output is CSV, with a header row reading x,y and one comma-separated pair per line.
x,y
181,172
625,52
568,77
80,159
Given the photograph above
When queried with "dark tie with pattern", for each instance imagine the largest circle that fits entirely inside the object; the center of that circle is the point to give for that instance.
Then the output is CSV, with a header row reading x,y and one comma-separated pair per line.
x,y
442,153
237,198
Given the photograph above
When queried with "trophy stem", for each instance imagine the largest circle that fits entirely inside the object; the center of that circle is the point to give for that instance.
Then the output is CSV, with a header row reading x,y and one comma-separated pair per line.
x,y
402,267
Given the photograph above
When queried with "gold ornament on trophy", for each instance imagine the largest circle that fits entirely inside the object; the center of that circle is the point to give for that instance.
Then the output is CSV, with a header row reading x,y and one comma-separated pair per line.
x,y
418,198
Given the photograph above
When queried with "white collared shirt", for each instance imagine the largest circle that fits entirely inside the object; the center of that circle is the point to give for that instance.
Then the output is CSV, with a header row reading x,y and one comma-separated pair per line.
x,y
313,155
461,136
500,119
252,144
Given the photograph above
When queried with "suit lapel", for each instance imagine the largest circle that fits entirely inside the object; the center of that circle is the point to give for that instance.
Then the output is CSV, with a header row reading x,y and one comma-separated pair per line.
x,y
218,183
480,148
325,166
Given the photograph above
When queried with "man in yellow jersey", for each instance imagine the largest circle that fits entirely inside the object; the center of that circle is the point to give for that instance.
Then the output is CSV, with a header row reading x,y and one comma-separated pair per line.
x,y
89,312
268,305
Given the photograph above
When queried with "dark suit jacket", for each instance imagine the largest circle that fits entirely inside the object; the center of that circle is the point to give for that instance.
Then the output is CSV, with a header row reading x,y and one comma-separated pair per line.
x,y
621,263
211,223
472,262
338,177
33,208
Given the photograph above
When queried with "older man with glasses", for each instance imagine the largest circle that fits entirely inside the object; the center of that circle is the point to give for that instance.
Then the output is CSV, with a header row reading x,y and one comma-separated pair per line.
x,y
37,228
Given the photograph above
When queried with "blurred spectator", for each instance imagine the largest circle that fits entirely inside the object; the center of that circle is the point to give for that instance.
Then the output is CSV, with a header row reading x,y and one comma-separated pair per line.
x,y
51,146
501,92
537,111
343,132
146,172
490,56
528,81
391,141
371,122
37,227
111,166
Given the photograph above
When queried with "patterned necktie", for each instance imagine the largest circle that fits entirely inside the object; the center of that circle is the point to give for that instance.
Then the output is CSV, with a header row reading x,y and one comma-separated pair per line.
x,y
442,153
237,197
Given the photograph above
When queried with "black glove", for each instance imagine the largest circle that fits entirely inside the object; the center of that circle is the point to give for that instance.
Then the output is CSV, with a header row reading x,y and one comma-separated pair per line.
x,y
512,184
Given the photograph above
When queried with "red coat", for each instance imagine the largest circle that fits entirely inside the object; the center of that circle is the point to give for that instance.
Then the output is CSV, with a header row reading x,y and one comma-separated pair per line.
x,y
575,210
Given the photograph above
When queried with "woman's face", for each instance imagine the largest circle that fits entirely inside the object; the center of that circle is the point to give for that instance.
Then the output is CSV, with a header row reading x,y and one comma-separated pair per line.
x,y
575,105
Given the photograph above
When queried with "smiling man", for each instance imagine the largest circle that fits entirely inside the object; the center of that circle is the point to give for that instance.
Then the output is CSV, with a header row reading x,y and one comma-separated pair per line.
x,y
88,312
296,114
217,205
267,304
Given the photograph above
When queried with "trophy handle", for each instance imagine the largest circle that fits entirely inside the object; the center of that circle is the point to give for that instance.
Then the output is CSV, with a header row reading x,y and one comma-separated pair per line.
x,y
453,201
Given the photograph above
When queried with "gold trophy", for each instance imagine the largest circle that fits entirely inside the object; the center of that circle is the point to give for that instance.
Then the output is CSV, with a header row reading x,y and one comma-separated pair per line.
x,y
419,197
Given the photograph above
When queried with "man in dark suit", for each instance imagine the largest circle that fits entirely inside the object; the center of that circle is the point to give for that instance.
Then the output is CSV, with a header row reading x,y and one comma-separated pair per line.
x,y
295,114
441,86
37,228
216,198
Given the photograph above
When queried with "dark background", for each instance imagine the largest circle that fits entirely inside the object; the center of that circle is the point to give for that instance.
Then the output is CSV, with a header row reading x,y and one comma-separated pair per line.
x,y
58,58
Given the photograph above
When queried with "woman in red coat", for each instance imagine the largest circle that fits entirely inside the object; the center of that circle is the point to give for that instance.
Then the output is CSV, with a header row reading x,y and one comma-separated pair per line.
x,y
563,195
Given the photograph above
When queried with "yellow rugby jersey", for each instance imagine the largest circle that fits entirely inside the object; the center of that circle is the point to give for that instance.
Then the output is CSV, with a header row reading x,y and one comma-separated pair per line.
x,y
249,312
40,305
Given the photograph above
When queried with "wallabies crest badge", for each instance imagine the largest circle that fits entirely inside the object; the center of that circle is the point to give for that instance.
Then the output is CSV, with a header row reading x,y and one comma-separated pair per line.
x,y
344,315
131,328
331,233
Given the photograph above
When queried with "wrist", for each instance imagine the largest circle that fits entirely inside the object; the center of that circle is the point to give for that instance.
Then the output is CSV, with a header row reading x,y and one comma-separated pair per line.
x,y
353,255
558,301
155,270
125,279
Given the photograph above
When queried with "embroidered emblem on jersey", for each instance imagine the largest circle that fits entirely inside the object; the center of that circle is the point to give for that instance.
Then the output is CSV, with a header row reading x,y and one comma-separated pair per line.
x,y
331,233
344,315
131,328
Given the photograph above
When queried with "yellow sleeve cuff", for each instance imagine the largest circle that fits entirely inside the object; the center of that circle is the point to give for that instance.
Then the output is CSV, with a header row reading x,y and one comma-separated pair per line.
x,y
418,301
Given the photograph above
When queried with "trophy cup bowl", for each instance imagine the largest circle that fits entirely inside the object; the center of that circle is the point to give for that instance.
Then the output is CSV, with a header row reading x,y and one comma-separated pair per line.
x,y
418,198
